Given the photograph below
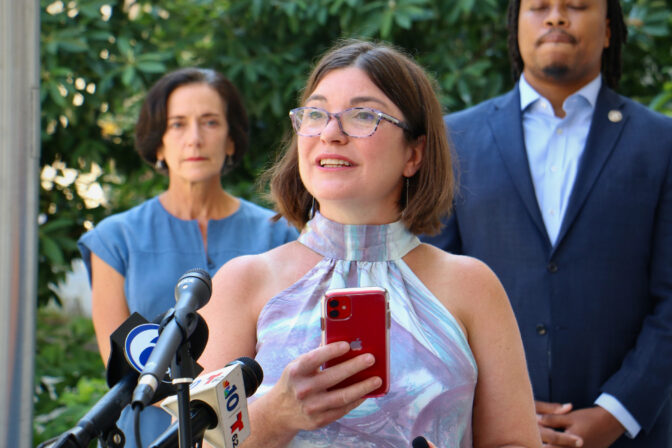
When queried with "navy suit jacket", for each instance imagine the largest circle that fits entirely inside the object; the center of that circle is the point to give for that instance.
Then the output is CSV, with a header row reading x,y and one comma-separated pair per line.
x,y
595,309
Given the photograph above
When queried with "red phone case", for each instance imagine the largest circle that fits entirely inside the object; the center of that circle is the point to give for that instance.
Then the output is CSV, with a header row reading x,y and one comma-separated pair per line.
x,y
361,317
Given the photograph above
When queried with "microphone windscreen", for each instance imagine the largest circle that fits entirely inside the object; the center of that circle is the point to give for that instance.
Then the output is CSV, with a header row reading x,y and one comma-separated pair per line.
x,y
253,375
200,273
118,364
196,288
420,442
199,338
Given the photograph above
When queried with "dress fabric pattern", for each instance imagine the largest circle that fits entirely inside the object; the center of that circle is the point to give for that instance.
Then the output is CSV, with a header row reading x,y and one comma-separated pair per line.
x,y
432,369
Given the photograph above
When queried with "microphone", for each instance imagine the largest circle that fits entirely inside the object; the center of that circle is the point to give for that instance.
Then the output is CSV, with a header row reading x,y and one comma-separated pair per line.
x,y
218,412
129,345
420,442
191,293
100,421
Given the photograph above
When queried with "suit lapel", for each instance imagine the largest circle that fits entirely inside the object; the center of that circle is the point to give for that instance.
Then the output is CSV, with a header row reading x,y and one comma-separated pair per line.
x,y
605,130
505,122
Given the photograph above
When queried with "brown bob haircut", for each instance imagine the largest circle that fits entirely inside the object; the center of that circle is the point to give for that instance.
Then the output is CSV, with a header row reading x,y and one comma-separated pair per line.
x,y
405,83
153,118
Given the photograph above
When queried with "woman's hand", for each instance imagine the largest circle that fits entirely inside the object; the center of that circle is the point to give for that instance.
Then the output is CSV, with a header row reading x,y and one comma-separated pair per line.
x,y
300,399
302,388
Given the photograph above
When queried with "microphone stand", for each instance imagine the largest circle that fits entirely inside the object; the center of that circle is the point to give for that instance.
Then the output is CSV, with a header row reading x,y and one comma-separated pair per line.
x,y
98,423
183,372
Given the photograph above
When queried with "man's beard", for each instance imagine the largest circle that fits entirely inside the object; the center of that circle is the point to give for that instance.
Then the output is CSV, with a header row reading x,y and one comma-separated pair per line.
x,y
556,71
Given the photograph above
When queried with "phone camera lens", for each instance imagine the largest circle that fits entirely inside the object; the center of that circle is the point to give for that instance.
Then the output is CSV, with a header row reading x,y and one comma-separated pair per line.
x,y
333,314
333,303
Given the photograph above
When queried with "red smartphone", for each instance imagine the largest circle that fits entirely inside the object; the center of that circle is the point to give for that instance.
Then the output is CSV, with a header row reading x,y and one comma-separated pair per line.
x,y
361,317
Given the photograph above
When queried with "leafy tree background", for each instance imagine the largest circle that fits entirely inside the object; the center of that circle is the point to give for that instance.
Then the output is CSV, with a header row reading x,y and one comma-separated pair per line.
x,y
100,56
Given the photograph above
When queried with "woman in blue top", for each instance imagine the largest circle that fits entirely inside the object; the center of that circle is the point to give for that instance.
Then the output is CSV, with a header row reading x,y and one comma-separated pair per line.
x,y
192,127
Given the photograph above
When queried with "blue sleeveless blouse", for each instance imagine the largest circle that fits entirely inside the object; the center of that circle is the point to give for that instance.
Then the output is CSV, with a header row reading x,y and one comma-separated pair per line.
x,y
152,248
432,370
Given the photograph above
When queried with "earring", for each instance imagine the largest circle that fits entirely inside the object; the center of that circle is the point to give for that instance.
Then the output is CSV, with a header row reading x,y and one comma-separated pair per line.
x,y
160,165
407,188
312,209
403,212
228,160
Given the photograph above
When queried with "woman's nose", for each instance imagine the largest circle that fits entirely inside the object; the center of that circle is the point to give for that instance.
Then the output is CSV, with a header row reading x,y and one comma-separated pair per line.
x,y
332,132
194,134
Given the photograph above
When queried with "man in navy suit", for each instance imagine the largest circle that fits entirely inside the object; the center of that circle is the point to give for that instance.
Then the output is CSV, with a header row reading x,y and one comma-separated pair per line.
x,y
566,193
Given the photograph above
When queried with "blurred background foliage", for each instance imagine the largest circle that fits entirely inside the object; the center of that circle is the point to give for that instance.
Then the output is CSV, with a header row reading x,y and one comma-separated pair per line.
x,y
100,56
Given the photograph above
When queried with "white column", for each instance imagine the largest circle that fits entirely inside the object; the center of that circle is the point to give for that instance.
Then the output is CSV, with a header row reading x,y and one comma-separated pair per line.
x,y
19,183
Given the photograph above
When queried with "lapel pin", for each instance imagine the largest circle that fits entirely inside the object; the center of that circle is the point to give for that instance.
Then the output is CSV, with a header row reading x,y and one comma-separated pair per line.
x,y
615,116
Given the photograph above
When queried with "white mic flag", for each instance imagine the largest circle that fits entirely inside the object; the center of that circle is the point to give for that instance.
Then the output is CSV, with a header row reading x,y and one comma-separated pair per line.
x,y
224,391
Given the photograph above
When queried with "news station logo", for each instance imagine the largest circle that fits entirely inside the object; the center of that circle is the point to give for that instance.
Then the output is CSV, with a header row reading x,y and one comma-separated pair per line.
x,y
232,398
139,344
224,389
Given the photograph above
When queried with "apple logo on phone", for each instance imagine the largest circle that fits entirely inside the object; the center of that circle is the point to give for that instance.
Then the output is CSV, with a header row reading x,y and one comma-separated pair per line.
x,y
356,344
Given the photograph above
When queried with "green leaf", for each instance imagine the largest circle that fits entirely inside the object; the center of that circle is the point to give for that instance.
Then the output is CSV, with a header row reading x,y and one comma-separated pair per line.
x,y
73,45
98,35
250,73
151,67
656,30
55,94
51,46
663,98
155,57
51,250
56,224
386,24
478,68
127,75
403,21
124,46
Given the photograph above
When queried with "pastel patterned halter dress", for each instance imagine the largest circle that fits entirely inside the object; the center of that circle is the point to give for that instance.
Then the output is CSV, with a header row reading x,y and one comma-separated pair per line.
x,y
432,370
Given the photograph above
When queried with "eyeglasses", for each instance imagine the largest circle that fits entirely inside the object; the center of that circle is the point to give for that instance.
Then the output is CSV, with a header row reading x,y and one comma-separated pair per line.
x,y
355,122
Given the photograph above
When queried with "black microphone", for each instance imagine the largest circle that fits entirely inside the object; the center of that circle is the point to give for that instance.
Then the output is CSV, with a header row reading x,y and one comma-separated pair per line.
x,y
217,412
191,293
420,442
129,344
100,420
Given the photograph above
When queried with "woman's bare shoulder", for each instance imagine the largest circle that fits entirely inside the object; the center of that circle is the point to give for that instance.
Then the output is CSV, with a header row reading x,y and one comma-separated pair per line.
x,y
255,271
446,269
465,285
262,276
